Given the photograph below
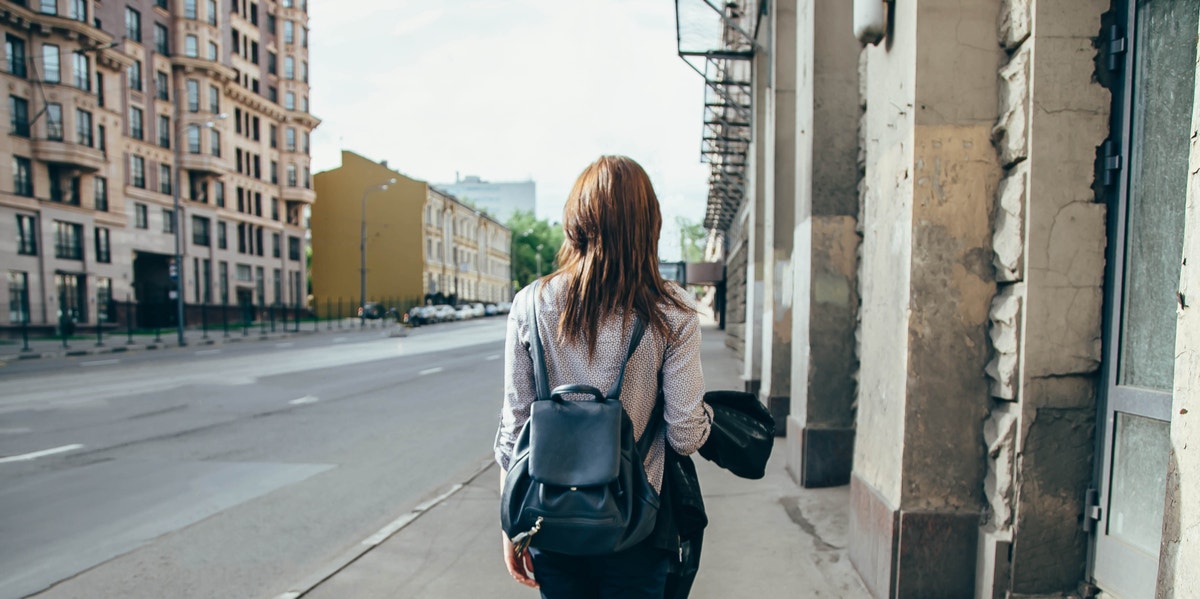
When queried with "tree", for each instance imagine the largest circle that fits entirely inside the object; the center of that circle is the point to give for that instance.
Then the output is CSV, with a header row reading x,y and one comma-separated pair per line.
x,y
527,234
691,240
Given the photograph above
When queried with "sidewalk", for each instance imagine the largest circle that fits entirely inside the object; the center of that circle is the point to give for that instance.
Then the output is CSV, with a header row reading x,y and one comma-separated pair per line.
x,y
765,538
119,340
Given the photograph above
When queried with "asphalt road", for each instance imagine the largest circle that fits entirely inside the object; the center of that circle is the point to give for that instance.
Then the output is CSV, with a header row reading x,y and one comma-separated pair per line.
x,y
234,471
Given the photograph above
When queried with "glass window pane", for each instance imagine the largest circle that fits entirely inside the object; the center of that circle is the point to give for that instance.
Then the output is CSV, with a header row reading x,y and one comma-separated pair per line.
x,y
1163,92
1139,479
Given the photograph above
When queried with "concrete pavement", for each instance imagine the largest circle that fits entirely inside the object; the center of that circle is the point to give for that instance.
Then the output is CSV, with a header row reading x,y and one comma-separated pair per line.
x,y
766,538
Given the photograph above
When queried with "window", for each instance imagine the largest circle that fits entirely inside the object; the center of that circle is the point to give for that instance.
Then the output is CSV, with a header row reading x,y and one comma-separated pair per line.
x,y
289,67
212,12
164,131
137,171
191,46
274,208
291,175
306,142
18,297
100,185
271,24
83,127
293,248
193,95
68,240
289,101
78,10
289,139
82,74
18,116
200,235
214,99
222,241
275,243
271,63
49,7
50,67
168,217
100,89
27,235
14,55
304,37
164,178
104,299
219,193
304,71
244,274
135,76
304,103
254,52
22,176
133,24
54,121
274,136
274,172
193,139
272,94
162,86
162,37
307,179
213,53
135,123
189,9
289,32
102,246
214,142
253,14
223,281
101,140
141,220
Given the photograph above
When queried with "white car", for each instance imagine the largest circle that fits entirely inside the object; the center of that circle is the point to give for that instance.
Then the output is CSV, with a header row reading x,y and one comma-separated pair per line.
x,y
463,312
443,312
478,310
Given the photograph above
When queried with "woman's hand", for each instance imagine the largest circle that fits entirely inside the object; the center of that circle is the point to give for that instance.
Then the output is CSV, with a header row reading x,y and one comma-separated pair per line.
x,y
520,567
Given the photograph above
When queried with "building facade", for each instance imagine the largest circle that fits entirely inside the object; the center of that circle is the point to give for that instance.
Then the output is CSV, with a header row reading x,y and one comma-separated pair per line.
x,y
118,110
392,238
960,242
500,199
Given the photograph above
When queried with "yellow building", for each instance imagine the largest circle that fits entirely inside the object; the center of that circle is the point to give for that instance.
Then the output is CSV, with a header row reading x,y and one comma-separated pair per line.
x,y
421,245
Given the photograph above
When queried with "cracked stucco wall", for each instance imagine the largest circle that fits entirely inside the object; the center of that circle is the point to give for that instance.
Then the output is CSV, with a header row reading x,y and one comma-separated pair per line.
x,y
1049,242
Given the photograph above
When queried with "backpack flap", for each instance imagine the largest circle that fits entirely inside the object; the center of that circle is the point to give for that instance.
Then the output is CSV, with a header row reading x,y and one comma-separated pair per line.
x,y
575,443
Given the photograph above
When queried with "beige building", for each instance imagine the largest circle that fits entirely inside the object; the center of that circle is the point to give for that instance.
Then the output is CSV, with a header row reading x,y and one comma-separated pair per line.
x,y
962,242
418,244
113,110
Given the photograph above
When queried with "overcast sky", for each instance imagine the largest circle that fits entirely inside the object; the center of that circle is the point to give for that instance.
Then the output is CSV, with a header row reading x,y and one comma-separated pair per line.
x,y
510,90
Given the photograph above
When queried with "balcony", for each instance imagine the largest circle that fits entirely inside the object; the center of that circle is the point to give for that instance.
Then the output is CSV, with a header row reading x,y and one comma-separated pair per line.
x,y
75,155
299,194
205,164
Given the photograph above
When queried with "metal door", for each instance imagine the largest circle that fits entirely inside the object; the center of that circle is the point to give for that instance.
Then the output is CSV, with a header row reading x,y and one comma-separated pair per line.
x,y
1152,124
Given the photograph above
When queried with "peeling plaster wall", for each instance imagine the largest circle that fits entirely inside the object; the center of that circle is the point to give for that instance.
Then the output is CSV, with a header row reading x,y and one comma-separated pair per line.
x,y
1049,243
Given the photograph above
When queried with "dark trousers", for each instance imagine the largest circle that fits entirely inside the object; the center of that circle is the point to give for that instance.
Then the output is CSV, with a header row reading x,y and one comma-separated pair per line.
x,y
636,573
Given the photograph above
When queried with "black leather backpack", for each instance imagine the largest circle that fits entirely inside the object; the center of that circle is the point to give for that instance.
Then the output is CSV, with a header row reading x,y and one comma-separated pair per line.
x,y
576,484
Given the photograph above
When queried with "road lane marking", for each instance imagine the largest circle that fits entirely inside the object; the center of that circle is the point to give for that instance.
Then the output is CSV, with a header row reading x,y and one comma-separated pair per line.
x,y
208,352
433,370
100,362
15,431
303,400
285,344
25,457
493,357
407,519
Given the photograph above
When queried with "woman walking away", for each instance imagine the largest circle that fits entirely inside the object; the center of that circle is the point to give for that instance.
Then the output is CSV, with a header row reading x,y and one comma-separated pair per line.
x,y
606,313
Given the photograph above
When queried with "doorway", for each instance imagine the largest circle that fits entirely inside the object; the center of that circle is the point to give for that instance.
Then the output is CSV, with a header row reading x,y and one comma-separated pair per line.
x,y
1152,111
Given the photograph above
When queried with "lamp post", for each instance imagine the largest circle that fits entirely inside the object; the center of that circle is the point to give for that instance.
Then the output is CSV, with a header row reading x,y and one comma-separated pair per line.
x,y
177,214
538,257
362,251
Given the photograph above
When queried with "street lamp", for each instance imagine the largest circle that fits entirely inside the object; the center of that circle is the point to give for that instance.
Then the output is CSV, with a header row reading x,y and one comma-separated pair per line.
x,y
177,215
538,258
362,251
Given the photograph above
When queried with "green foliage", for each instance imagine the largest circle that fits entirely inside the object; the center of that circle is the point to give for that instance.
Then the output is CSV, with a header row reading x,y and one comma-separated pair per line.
x,y
692,238
527,233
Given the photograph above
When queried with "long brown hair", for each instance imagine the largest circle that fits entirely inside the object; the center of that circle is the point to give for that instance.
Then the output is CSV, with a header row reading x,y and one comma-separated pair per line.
x,y
609,257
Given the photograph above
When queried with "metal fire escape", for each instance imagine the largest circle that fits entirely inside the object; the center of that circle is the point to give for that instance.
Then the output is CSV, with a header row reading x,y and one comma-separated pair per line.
x,y
718,40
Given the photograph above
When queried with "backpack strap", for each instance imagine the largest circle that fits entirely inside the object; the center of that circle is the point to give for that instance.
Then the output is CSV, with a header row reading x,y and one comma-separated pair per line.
x,y
639,329
541,381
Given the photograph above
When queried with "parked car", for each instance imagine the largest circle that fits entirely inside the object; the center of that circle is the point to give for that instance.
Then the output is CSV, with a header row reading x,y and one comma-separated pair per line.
x,y
490,309
371,310
442,313
419,315
503,307
478,310
463,312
